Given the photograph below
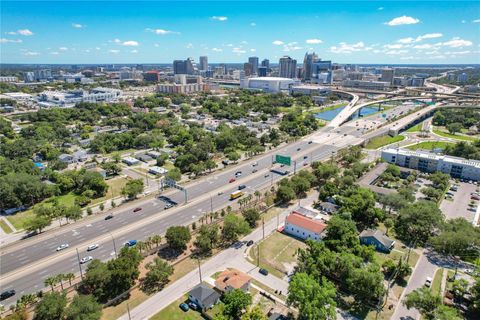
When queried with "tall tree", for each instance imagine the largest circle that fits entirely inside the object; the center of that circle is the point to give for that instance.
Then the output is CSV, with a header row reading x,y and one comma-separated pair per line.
x,y
314,300
157,276
236,302
84,307
51,307
133,188
178,237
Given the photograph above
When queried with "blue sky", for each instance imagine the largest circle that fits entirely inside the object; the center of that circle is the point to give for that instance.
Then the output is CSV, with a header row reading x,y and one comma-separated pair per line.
x,y
230,31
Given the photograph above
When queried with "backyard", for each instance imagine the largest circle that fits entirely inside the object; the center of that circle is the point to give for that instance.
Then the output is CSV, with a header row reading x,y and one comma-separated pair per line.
x,y
277,253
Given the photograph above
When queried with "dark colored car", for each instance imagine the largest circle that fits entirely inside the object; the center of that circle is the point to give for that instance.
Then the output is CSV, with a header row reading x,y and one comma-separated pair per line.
x,y
192,306
7,294
231,180
137,209
241,187
249,243
110,216
184,307
263,271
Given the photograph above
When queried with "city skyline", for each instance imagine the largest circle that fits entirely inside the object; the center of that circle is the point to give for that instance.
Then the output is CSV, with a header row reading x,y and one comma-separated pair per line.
x,y
160,32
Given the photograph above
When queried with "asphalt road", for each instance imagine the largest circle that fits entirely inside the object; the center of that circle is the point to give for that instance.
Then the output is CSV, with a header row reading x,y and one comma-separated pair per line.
x,y
25,266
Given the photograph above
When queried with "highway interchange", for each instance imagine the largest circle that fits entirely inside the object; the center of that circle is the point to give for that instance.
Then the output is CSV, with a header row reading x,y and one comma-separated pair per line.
x,y
25,264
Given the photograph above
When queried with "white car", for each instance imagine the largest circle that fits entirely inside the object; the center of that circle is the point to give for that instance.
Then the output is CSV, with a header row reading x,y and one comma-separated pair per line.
x,y
428,282
62,246
92,247
86,259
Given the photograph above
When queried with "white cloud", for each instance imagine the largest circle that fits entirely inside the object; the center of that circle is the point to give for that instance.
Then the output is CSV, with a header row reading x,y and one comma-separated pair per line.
x,y
398,21
238,51
219,18
253,24
424,46
457,43
156,45
114,51
431,52
97,48
380,8
25,32
130,43
63,48
244,42
229,45
116,40
476,21
134,51
253,50
438,57
406,40
458,52
393,46
217,49
189,46
277,42
55,53
346,48
31,53
396,52
162,32
429,36
407,58
314,41
291,46
3,40
464,21
78,25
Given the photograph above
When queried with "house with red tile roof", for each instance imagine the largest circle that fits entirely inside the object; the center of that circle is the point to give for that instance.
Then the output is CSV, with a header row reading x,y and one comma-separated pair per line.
x,y
304,227
231,279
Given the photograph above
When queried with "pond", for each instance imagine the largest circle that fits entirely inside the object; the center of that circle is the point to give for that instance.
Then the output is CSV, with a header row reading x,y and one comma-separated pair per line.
x,y
330,114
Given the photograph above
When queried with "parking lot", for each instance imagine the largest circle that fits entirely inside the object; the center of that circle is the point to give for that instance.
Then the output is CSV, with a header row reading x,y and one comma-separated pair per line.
x,y
458,205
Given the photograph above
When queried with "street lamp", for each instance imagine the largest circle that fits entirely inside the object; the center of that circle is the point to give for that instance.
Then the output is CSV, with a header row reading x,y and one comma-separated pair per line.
x,y
79,264
114,247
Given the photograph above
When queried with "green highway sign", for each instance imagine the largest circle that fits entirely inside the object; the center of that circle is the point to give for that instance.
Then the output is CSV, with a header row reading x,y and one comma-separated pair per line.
x,y
283,159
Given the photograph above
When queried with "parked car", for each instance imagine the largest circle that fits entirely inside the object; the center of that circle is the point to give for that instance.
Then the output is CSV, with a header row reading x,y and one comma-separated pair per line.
x,y
110,216
62,246
192,306
254,170
184,307
92,247
7,294
168,206
428,282
86,259
137,209
263,271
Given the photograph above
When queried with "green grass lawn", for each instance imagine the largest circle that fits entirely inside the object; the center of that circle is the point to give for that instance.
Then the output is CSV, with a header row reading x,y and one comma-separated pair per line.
x,y
5,227
453,136
381,141
276,253
430,145
415,128
115,186
437,281
114,312
173,312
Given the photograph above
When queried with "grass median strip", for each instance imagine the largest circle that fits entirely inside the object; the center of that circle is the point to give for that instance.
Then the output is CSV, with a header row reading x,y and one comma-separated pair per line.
x,y
381,141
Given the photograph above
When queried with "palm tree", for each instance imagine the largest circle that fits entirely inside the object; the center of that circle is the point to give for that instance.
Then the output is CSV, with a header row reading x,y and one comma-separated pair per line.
x,y
257,195
157,239
69,276
60,277
141,246
50,281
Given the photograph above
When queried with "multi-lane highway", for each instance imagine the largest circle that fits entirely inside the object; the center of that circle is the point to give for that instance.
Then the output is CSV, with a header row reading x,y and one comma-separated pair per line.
x,y
25,265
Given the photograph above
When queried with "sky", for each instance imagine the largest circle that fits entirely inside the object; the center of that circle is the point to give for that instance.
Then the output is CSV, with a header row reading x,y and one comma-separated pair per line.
x,y
77,32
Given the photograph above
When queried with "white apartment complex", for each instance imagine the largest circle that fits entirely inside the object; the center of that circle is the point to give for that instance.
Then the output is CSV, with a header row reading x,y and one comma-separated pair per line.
x,y
429,162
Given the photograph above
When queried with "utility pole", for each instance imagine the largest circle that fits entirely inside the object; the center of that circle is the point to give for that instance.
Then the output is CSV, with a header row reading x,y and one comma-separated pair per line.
x,y
186,196
199,270
263,228
79,264
294,166
114,247
128,311
211,203
258,255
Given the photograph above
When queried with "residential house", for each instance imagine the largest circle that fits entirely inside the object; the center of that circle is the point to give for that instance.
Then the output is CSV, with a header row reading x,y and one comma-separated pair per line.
x,y
158,171
377,239
328,207
304,227
66,158
203,296
231,279
144,158
130,161
79,156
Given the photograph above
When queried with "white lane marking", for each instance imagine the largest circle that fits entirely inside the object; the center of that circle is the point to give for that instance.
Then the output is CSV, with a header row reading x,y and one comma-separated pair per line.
x,y
89,225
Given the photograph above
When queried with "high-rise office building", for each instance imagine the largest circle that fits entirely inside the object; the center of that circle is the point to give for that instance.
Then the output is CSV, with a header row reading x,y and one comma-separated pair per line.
x,y
322,72
183,66
266,63
203,63
262,71
288,67
29,76
387,75
308,61
248,68
254,62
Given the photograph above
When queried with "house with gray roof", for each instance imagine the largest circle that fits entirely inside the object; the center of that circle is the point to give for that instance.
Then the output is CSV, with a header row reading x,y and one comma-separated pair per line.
x,y
203,296
377,239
